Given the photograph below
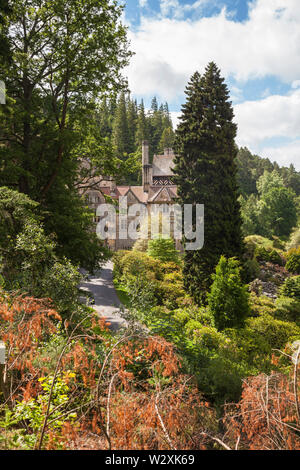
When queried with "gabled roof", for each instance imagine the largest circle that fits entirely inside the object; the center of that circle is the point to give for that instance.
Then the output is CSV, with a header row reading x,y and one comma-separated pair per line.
x,y
162,193
137,191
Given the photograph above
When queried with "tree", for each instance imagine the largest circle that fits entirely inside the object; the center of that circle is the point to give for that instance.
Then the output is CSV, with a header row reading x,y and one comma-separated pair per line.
x,y
121,138
205,172
28,258
142,126
65,56
277,208
167,139
4,42
163,249
228,297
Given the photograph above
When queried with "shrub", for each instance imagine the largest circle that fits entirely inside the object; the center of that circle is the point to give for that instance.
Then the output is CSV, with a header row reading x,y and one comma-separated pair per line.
x,y
288,309
205,336
228,297
294,239
136,263
275,332
293,261
117,260
250,270
170,267
141,245
291,287
271,256
163,249
261,305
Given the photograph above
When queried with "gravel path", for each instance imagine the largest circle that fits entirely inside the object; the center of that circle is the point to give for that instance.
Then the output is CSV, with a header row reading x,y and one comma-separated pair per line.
x,y
107,303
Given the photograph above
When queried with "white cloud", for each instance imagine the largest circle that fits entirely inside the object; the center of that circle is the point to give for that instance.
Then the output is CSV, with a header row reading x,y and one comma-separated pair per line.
x,y
175,118
177,10
284,155
274,116
296,84
143,3
169,50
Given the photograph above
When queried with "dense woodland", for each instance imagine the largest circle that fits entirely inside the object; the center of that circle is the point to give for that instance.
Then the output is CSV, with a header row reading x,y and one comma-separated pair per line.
x,y
209,358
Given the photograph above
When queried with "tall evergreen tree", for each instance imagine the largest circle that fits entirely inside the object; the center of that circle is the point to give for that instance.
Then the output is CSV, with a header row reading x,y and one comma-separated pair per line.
x,y
132,124
205,172
121,138
142,126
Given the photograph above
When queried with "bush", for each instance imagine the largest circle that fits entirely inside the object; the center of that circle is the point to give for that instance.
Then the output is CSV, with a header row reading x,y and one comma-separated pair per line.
x,y
136,263
163,249
141,245
170,267
276,333
291,287
293,261
117,260
271,256
228,297
294,239
250,270
288,309
206,337
261,305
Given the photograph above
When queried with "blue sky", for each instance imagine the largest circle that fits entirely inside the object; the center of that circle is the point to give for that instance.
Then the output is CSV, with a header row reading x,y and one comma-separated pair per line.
x,y
255,43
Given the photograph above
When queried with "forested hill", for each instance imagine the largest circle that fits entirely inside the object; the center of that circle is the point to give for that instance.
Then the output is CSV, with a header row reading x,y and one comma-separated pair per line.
x,y
251,167
126,123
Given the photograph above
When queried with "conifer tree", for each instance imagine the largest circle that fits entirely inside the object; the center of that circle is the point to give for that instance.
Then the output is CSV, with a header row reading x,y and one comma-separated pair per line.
x,y
167,139
142,127
121,139
205,172
132,123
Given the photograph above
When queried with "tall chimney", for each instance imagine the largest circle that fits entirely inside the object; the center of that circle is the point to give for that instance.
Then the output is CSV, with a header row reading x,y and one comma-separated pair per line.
x,y
145,152
146,167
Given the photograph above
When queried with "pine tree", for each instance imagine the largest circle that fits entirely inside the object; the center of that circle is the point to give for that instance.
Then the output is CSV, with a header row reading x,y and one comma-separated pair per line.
x,y
167,139
205,172
142,127
120,136
132,124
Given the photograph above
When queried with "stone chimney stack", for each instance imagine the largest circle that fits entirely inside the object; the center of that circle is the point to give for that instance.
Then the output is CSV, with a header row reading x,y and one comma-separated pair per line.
x,y
145,152
147,168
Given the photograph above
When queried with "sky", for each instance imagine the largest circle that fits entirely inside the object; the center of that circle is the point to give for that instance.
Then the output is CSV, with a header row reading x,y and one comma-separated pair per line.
x,y
255,43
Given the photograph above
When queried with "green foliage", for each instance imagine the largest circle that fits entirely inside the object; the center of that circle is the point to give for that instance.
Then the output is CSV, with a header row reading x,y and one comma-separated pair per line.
x,y
74,54
291,287
271,256
273,211
294,241
252,167
142,296
288,309
167,139
293,261
163,249
117,260
261,305
275,332
259,241
251,270
228,297
28,256
205,172
136,263
33,412
141,245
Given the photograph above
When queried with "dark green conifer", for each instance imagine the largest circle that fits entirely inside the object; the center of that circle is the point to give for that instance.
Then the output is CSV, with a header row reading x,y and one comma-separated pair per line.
x,y
205,172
